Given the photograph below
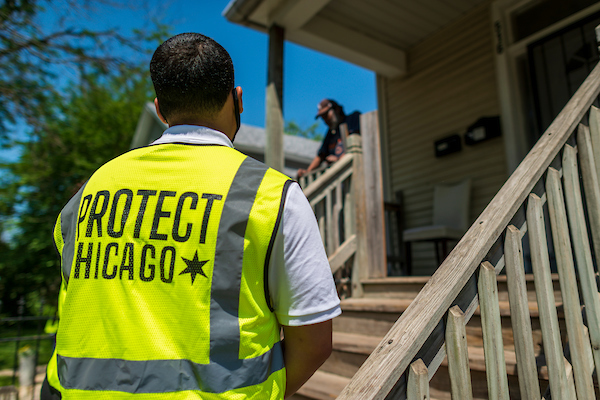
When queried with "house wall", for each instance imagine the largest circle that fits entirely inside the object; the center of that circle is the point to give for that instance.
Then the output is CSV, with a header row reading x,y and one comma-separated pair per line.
x,y
451,83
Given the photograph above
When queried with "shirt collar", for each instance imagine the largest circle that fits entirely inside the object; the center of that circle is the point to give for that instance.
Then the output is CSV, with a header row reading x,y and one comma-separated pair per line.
x,y
193,134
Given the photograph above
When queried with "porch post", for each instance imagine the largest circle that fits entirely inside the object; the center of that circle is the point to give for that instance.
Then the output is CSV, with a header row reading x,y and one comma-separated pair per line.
x,y
373,196
274,156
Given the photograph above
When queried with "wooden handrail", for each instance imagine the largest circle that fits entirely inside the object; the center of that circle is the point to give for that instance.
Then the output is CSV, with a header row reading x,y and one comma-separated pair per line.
x,y
329,195
328,176
384,367
311,176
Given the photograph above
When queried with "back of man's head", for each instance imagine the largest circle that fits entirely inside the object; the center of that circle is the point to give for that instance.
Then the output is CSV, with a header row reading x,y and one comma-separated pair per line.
x,y
192,76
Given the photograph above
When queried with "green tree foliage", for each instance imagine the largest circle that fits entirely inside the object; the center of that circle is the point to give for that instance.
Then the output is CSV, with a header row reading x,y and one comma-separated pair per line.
x,y
35,51
70,97
292,128
94,122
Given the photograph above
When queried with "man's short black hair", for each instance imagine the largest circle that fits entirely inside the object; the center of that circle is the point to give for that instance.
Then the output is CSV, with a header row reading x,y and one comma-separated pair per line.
x,y
192,75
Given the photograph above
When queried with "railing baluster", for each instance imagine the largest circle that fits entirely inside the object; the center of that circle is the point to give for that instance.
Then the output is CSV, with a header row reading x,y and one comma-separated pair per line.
x,y
337,209
519,314
585,266
568,283
303,181
330,223
493,347
418,381
590,183
594,121
545,297
330,196
320,214
458,357
349,223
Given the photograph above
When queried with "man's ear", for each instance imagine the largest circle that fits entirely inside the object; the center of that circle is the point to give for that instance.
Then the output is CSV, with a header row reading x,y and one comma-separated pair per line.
x,y
240,101
160,116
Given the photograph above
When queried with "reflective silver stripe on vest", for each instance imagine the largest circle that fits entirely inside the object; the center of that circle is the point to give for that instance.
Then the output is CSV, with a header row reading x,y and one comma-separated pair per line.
x,y
162,376
225,371
68,227
227,272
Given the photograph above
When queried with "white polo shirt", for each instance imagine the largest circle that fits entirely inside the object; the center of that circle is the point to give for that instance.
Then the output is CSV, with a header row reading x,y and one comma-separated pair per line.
x,y
300,281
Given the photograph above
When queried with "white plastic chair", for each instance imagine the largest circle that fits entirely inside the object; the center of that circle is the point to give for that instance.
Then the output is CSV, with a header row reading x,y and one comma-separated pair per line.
x,y
451,203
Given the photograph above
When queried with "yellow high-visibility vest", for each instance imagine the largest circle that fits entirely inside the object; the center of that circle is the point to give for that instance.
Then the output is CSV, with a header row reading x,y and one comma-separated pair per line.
x,y
165,255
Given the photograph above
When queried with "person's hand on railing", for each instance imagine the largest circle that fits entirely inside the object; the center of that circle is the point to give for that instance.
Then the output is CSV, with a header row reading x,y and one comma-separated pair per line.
x,y
313,165
301,172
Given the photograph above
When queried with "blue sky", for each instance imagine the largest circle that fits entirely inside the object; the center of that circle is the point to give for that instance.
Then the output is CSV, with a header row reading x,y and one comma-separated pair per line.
x,y
309,76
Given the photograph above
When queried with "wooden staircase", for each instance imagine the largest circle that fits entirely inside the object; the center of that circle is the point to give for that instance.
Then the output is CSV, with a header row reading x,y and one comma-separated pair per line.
x,y
465,329
365,321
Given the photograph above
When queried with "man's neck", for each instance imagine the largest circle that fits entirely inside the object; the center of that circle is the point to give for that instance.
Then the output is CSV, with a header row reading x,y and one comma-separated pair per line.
x,y
207,124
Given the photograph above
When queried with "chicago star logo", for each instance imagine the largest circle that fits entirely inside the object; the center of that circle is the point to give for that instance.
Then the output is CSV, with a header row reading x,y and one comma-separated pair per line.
x,y
194,267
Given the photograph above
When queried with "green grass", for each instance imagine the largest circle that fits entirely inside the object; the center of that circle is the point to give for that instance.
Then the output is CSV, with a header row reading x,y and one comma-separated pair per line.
x,y
7,381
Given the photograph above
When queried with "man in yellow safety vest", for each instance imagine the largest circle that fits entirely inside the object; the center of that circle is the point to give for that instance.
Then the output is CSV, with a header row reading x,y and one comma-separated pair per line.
x,y
182,260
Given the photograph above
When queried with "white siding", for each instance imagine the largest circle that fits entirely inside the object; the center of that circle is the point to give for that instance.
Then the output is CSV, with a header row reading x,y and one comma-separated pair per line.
x,y
451,83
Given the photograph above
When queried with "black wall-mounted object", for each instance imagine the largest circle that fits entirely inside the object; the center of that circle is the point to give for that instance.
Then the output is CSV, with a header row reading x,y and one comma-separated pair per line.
x,y
483,129
447,145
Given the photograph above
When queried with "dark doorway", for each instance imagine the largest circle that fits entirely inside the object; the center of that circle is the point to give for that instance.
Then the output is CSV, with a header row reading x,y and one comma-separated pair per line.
x,y
558,65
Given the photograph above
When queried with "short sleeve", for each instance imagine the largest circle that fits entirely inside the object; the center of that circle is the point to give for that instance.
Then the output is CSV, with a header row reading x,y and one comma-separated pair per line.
x,y
353,121
300,281
324,150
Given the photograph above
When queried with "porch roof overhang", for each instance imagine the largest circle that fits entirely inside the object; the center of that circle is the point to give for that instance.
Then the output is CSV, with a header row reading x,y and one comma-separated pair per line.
x,y
374,34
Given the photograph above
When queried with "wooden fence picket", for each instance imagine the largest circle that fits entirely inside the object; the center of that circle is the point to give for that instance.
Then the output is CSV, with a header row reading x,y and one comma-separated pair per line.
x,y
581,241
594,121
493,346
590,182
418,381
545,297
458,357
337,212
329,226
568,283
321,220
519,314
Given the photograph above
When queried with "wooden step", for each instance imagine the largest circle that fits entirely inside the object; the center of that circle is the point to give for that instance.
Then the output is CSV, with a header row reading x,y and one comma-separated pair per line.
x,y
375,317
440,382
350,351
322,386
376,305
474,333
369,316
399,305
326,386
477,362
365,321
365,345
439,385
354,343
503,288
407,287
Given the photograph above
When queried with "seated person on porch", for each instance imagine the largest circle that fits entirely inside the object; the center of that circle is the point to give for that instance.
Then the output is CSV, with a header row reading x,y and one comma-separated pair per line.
x,y
332,148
